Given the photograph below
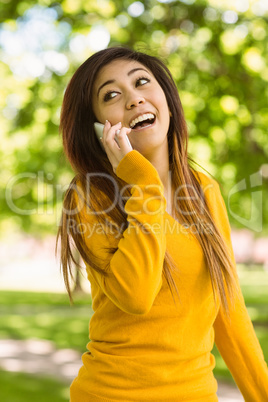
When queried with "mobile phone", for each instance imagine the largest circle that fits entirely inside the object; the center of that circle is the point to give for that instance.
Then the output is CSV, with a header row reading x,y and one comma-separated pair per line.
x,y
98,127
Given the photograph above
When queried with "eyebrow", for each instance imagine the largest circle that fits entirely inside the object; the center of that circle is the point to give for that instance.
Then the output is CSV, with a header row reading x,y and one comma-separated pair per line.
x,y
112,81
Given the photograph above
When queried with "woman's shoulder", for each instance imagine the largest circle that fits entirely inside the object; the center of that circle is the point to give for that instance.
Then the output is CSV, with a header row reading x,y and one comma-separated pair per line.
x,y
212,191
206,180
81,200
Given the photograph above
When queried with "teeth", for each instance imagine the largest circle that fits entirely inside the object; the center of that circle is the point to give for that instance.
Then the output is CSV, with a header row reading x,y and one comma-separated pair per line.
x,y
143,117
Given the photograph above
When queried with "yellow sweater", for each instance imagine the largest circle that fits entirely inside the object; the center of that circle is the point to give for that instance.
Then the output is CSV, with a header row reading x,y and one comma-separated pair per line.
x,y
142,346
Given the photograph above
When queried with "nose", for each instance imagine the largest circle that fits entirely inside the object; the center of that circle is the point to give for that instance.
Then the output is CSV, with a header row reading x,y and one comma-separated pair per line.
x,y
134,100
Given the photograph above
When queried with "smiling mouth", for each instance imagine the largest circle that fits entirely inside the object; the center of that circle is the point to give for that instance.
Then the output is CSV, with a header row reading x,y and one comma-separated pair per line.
x,y
142,121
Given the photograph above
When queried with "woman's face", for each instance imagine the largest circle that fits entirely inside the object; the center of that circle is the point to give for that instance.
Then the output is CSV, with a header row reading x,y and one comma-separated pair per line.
x,y
126,91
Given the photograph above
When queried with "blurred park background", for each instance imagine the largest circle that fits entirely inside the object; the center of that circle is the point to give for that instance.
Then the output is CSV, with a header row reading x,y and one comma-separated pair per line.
x,y
217,51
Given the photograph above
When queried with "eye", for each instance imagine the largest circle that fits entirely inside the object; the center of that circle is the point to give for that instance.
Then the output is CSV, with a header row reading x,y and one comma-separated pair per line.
x,y
109,95
142,81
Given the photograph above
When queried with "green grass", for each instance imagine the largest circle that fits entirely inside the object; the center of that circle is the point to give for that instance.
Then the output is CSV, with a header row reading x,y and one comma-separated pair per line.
x,y
254,284
18,387
15,298
25,315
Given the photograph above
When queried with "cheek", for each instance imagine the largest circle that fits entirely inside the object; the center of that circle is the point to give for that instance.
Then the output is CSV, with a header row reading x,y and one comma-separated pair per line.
x,y
111,113
163,100
101,115
164,108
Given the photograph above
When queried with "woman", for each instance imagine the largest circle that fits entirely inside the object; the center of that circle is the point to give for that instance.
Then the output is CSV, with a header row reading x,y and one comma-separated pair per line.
x,y
155,238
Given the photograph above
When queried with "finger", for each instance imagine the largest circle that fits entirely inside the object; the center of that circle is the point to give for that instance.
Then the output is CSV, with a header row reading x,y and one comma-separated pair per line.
x,y
109,137
106,128
122,139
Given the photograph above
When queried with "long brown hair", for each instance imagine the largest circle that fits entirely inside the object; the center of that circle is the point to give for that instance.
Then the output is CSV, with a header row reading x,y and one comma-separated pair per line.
x,y
86,156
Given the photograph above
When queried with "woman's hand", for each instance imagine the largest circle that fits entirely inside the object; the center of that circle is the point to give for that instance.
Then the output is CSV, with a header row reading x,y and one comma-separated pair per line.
x,y
116,150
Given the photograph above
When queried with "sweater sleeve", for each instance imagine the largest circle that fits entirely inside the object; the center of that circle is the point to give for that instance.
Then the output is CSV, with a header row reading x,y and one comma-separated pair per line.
x,y
235,338
134,270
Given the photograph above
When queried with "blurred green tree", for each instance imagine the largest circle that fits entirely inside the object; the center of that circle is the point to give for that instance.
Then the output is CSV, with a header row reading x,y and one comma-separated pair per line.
x,y
216,51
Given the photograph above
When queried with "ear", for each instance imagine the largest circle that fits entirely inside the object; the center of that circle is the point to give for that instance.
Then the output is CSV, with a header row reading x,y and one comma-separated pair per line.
x,y
170,114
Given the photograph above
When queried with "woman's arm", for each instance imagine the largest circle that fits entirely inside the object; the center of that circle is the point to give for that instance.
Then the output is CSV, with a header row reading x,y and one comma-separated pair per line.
x,y
236,339
135,269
